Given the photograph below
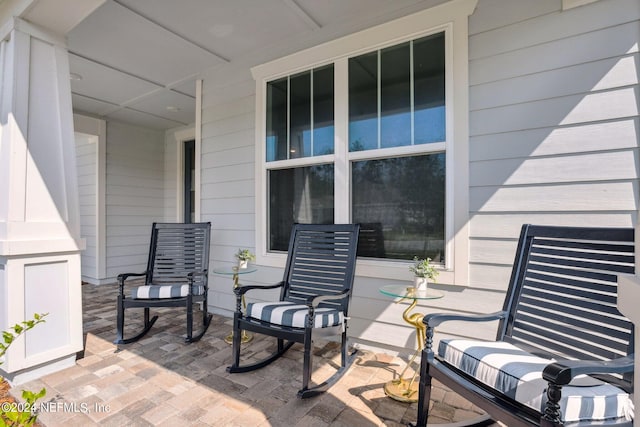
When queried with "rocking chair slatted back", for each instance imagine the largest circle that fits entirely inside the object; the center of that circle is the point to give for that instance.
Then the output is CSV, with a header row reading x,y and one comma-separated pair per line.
x,y
564,295
176,250
321,263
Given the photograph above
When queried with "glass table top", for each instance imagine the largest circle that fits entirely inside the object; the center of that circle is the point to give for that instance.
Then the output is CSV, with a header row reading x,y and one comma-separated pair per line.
x,y
234,270
408,291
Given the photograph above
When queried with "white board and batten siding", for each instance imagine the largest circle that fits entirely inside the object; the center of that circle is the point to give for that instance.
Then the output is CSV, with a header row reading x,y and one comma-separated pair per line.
x,y
553,140
553,124
135,195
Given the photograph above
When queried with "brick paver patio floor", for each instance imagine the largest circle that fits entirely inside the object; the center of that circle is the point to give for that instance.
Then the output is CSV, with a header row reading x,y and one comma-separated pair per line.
x,y
161,381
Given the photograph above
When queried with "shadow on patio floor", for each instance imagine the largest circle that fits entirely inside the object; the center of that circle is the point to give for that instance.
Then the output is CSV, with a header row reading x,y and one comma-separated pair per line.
x,y
160,381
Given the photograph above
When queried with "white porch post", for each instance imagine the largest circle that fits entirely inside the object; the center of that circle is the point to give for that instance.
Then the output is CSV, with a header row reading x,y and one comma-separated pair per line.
x,y
39,212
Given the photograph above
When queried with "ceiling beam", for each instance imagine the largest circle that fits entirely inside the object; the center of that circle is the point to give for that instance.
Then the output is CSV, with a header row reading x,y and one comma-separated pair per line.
x,y
308,19
145,17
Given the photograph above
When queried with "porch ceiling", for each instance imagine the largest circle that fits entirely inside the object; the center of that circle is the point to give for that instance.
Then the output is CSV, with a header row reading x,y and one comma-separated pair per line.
x,y
137,60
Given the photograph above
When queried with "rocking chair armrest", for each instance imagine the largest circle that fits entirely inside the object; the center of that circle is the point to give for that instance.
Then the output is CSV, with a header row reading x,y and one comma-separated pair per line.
x,y
124,276
192,275
200,273
243,289
315,300
561,373
434,319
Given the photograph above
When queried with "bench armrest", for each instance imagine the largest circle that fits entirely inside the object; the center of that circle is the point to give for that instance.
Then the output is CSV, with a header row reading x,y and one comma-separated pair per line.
x,y
561,373
435,319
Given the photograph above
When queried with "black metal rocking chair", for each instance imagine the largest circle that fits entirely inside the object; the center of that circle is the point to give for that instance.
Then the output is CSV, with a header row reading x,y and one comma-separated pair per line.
x,y
314,300
176,276
563,354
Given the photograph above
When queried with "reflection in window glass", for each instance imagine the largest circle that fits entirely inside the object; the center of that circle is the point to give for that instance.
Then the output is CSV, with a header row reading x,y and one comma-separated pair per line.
x,y
363,102
383,111
277,120
395,96
402,201
298,195
300,116
323,129
429,103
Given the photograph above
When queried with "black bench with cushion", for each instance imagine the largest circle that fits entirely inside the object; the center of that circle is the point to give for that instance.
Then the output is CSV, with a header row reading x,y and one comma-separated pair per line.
x,y
564,353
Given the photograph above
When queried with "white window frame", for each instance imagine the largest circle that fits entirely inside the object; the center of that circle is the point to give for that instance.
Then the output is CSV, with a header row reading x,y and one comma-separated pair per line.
x,y
179,138
452,18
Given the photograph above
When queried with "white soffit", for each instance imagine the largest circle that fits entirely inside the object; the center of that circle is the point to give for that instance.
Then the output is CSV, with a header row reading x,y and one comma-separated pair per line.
x,y
227,28
97,81
139,118
168,104
120,39
92,106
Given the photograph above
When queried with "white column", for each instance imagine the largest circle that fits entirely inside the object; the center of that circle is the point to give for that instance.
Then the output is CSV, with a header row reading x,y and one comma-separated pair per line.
x,y
39,212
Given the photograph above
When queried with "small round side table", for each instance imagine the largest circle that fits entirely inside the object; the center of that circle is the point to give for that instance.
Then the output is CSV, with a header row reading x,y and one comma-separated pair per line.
x,y
401,389
235,272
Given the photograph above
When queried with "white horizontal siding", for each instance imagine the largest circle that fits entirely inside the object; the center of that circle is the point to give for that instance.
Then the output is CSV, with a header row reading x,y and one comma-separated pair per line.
x,y
606,43
591,197
587,137
227,183
553,140
134,195
599,166
553,126
86,165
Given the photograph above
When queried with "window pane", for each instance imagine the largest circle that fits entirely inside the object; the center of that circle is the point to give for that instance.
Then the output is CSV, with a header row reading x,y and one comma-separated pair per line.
x,y
277,120
403,199
395,96
298,195
323,111
300,116
428,69
363,102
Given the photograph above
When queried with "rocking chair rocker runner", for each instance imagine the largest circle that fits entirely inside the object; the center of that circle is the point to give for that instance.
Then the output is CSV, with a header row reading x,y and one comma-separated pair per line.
x,y
176,276
314,300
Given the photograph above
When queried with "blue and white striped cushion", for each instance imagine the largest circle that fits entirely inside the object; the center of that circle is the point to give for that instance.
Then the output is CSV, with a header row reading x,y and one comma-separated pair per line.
x,y
164,291
295,315
518,374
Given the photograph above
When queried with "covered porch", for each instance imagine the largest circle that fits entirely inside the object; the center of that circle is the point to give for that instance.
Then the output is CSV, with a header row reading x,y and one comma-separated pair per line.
x,y
161,381
119,113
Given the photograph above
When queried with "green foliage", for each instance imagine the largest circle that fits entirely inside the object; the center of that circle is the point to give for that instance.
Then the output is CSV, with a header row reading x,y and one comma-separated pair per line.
x,y
245,254
20,413
423,268
10,335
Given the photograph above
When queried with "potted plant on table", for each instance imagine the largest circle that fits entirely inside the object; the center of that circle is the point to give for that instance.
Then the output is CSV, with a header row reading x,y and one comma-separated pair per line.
x,y
423,271
244,256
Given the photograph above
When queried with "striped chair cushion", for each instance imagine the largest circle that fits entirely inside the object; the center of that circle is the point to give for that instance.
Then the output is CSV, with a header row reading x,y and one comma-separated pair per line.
x,y
294,315
164,291
518,374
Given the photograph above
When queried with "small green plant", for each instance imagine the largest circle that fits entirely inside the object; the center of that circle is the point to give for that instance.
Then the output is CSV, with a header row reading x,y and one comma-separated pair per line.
x,y
423,268
23,414
18,329
245,255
